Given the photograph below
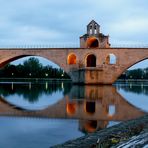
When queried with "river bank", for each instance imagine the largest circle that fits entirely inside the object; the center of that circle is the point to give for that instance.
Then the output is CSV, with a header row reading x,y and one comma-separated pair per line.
x,y
132,80
133,132
32,80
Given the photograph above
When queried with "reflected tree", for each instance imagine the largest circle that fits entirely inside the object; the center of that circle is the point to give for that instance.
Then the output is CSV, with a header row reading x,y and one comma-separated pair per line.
x,y
33,93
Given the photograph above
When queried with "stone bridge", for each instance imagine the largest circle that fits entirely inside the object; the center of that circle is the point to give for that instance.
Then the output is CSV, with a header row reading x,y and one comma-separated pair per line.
x,y
95,62
76,61
94,107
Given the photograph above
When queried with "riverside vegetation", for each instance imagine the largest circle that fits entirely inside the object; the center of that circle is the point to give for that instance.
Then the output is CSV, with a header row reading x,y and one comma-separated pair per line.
x,y
32,68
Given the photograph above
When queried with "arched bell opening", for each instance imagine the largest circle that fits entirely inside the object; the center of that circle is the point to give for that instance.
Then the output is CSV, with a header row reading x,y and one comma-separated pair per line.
x,y
92,42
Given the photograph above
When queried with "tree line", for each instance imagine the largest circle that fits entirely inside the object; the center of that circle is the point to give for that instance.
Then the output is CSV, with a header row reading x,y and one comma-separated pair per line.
x,y
135,74
31,68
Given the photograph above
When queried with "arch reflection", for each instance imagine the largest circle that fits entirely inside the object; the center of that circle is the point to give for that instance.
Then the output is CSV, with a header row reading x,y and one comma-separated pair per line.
x,y
97,105
93,106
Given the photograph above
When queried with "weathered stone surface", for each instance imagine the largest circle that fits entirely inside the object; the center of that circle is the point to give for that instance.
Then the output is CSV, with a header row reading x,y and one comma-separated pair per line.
x,y
102,73
110,137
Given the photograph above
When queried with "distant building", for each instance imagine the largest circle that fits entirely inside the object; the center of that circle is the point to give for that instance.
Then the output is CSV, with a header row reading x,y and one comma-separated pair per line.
x,y
93,38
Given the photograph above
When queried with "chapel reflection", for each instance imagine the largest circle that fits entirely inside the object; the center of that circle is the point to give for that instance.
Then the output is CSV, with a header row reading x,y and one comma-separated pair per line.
x,y
93,106
91,100
90,126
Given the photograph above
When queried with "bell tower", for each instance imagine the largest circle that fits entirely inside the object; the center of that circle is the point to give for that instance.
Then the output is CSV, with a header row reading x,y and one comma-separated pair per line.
x,y
94,38
93,28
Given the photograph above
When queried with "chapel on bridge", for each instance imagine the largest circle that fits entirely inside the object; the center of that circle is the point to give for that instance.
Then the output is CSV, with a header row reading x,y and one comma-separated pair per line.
x,y
93,38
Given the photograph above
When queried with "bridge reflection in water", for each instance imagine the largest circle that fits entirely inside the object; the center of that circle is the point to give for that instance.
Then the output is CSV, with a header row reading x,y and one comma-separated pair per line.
x,y
93,106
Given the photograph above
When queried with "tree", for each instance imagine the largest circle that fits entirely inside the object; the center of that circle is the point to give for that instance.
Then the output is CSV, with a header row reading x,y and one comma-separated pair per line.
x,y
32,67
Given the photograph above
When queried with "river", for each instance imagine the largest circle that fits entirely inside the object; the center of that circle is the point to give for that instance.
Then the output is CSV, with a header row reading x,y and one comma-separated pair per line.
x,y
35,115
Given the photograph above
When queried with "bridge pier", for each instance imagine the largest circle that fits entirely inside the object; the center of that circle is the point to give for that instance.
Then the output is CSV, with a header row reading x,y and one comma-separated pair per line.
x,y
93,75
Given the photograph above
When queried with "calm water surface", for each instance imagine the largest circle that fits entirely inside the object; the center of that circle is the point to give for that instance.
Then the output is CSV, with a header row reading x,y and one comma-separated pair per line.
x,y
41,115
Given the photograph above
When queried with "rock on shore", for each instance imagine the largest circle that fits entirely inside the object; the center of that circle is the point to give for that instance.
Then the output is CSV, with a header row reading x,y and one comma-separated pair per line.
x,y
132,133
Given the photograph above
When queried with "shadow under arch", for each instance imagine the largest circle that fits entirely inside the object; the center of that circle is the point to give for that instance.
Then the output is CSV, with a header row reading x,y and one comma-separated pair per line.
x,y
12,59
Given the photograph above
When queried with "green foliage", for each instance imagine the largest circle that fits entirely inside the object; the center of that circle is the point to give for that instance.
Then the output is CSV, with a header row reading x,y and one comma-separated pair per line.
x,y
135,74
31,68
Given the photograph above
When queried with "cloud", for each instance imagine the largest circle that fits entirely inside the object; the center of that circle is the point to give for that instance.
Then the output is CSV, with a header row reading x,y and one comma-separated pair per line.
x,y
64,21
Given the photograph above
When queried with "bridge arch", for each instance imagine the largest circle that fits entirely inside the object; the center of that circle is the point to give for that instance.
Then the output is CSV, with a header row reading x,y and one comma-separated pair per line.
x,y
90,60
132,64
12,58
90,107
136,62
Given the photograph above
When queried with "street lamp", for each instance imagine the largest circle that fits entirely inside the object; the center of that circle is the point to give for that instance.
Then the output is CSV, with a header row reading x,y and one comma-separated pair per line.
x,y
46,74
62,74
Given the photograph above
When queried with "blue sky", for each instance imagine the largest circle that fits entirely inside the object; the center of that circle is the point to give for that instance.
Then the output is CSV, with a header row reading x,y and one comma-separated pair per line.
x,y
60,23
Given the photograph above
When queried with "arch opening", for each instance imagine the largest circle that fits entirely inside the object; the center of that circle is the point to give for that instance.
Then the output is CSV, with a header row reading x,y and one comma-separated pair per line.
x,y
31,96
91,61
92,42
71,108
112,110
90,107
90,125
138,70
111,59
24,66
71,59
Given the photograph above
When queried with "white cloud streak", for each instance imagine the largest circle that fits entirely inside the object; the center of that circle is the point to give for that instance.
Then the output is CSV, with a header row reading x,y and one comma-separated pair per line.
x,y
46,21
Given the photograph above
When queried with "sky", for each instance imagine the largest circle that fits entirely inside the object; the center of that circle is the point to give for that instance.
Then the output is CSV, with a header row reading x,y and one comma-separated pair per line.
x,y
61,23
